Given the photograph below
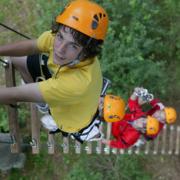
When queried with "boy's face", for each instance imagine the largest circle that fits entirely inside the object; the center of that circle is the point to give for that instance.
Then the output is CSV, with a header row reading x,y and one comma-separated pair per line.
x,y
66,49
160,116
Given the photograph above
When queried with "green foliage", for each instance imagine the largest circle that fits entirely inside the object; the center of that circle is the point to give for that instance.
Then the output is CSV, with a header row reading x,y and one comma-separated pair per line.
x,y
138,47
3,120
35,17
81,171
23,113
132,168
141,49
122,167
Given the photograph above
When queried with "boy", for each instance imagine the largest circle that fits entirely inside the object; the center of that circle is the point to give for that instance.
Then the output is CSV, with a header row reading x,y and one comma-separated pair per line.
x,y
71,75
163,114
126,133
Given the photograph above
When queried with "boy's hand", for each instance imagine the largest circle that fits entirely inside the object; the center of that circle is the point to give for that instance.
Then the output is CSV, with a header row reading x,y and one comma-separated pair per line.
x,y
141,101
137,89
136,93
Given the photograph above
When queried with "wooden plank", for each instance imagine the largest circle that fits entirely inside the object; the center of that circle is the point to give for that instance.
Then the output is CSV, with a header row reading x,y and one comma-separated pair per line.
x,y
99,143
171,138
156,145
65,145
137,150
77,147
88,148
130,150
108,136
177,140
147,147
164,137
114,150
51,144
121,151
35,129
12,111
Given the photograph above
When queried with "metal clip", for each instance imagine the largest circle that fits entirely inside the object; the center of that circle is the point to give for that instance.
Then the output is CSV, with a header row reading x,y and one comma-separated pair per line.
x,y
33,143
13,140
106,84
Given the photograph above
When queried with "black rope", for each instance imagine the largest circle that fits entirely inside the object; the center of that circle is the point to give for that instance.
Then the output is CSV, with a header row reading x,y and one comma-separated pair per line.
x,y
7,27
3,61
11,29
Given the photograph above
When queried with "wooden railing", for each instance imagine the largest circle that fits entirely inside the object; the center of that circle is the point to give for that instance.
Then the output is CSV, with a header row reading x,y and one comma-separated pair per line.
x,y
168,142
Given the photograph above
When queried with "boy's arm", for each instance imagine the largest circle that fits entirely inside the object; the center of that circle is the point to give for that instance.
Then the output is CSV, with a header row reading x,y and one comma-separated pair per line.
x,y
22,48
24,93
133,102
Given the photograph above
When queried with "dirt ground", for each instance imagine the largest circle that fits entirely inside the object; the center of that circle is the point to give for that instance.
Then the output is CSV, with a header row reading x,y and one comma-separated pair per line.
x,y
164,167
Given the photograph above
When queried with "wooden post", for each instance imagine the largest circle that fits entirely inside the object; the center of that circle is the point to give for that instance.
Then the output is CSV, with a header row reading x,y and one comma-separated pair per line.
x,y
12,111
35,129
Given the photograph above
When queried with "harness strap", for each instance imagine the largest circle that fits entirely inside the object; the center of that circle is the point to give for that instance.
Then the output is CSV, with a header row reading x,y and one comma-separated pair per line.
x,y
80,133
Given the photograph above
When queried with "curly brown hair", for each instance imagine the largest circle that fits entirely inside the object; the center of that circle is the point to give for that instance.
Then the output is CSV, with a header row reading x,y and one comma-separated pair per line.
x,y
91,47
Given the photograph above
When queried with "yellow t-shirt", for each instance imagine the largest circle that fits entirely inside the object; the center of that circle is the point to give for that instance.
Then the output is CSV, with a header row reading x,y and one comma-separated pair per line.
x,y
73,93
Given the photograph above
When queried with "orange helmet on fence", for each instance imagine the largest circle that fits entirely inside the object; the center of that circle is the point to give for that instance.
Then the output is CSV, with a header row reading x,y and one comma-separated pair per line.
x,y
152,126
85,16
171,115
114,108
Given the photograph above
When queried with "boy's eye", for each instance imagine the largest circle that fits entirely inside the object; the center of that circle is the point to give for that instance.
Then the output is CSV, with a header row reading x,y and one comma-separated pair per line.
x,y
73,46
59,36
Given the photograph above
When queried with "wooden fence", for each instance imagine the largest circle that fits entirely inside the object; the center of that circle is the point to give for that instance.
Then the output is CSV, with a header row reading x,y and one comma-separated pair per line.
x,y
166,143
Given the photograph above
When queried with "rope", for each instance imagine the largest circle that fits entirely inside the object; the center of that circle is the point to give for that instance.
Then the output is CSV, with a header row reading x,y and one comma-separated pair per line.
x,y
11,29
3,61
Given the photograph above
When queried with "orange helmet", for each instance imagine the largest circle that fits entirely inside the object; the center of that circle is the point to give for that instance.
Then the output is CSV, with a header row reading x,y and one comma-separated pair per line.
x,y
85,16
171,115
152,126
114,108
